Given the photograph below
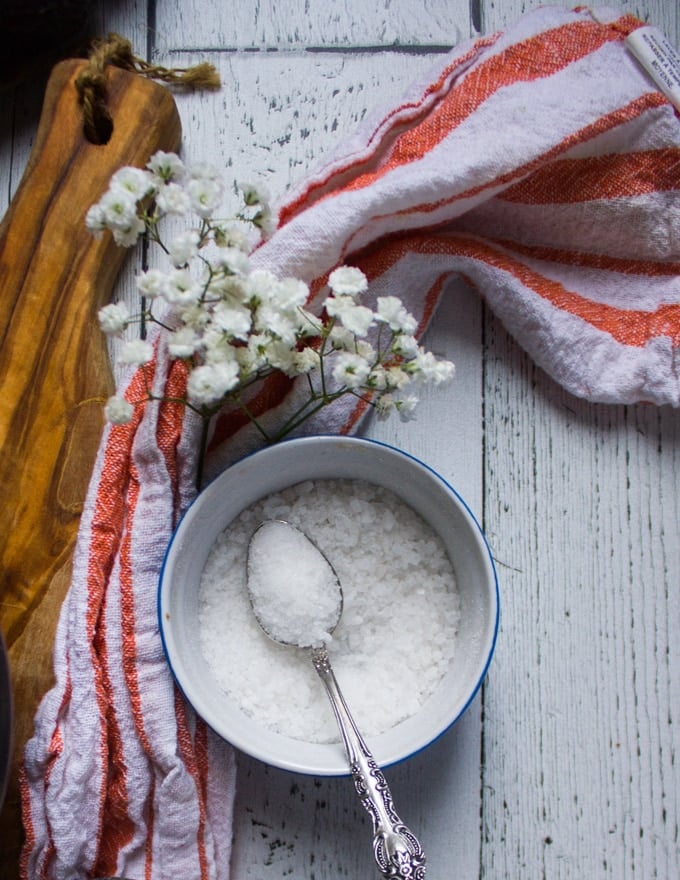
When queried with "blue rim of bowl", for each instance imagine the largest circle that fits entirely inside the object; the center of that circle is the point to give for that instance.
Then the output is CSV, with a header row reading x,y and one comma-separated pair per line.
x,y
438,476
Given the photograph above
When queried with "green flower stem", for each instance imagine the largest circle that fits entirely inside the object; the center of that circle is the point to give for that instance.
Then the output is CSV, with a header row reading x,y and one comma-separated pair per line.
x,y
243,406
305,412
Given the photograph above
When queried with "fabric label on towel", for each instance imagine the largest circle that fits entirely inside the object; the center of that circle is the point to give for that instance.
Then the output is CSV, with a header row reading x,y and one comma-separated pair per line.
x,y
659,59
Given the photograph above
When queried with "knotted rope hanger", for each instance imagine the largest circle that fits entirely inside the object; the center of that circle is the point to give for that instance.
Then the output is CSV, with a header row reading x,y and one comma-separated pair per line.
x,y
115,50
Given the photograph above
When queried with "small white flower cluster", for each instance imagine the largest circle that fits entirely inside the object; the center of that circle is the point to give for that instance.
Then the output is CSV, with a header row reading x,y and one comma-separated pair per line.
x,y
233,325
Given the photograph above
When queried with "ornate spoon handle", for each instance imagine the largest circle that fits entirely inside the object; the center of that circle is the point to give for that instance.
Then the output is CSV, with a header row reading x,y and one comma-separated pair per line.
x,y
397,851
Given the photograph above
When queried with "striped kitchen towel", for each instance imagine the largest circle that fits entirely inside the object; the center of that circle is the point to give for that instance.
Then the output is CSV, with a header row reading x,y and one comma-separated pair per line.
x,y
542,164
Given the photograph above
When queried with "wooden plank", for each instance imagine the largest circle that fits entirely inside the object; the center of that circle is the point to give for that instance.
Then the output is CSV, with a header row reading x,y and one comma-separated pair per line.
x,y
300,25
278,114
268,118
579,775
661,13
580,702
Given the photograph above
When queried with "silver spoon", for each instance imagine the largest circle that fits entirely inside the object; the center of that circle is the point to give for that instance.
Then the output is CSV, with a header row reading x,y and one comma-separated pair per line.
x,y
397,852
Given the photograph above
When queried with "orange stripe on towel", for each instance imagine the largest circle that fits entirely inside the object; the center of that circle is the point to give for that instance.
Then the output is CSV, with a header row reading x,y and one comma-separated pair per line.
x,y
106,531
634,327
599,177
537,57
601,262
617,117
402,115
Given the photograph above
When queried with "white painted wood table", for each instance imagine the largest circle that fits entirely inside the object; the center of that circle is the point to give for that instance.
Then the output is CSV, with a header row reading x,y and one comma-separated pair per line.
x,y
565,765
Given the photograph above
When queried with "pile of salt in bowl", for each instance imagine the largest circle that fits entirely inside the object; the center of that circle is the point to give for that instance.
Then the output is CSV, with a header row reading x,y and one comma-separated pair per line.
x,y
395,640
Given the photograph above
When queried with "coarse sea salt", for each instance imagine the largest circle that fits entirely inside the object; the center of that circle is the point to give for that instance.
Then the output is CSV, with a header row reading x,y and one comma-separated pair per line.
x,y
395,639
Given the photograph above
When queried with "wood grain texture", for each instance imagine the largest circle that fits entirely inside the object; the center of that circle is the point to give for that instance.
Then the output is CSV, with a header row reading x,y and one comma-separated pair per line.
x,y
303,25
54,363
582,509
273,120
495,16
543,778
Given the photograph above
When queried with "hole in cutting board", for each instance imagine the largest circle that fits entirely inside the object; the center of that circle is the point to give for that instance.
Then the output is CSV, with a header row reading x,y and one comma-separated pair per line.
x,y
100,129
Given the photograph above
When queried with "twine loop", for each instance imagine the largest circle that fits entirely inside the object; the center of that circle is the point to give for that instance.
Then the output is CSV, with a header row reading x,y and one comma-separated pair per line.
x,y
115,50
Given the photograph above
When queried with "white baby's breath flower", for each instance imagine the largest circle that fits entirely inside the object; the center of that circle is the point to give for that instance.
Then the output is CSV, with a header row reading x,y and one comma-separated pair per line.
x,y
429,368
384,405
209,383
218,348
397,378
257,346
173,199
233,235
137,352
180,288
166,167
350,370
126,237
269,319
232,260
405,345
265,220
291,293
365,350
355,318
204,195
392,312
342,339
228,287
118,411
347,280
95,219
194,315
136,181
261,285
246,362
406,407
306,360
254,193
234,320
119,209
282,357
150,283
184,247
377,378
183,343
113,318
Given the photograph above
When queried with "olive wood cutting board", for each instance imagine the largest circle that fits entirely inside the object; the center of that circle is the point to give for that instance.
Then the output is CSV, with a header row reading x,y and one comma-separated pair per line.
x,y
54,369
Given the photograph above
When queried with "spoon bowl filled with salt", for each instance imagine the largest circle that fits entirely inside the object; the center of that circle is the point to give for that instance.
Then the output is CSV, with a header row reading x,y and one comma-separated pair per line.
x,y
297,599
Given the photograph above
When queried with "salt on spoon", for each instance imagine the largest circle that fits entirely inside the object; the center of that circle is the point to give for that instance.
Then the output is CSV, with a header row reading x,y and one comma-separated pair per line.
x,y
297,599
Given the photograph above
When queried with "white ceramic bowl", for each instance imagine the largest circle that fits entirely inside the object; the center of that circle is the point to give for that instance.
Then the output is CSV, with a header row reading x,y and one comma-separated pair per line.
x,y
271,470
